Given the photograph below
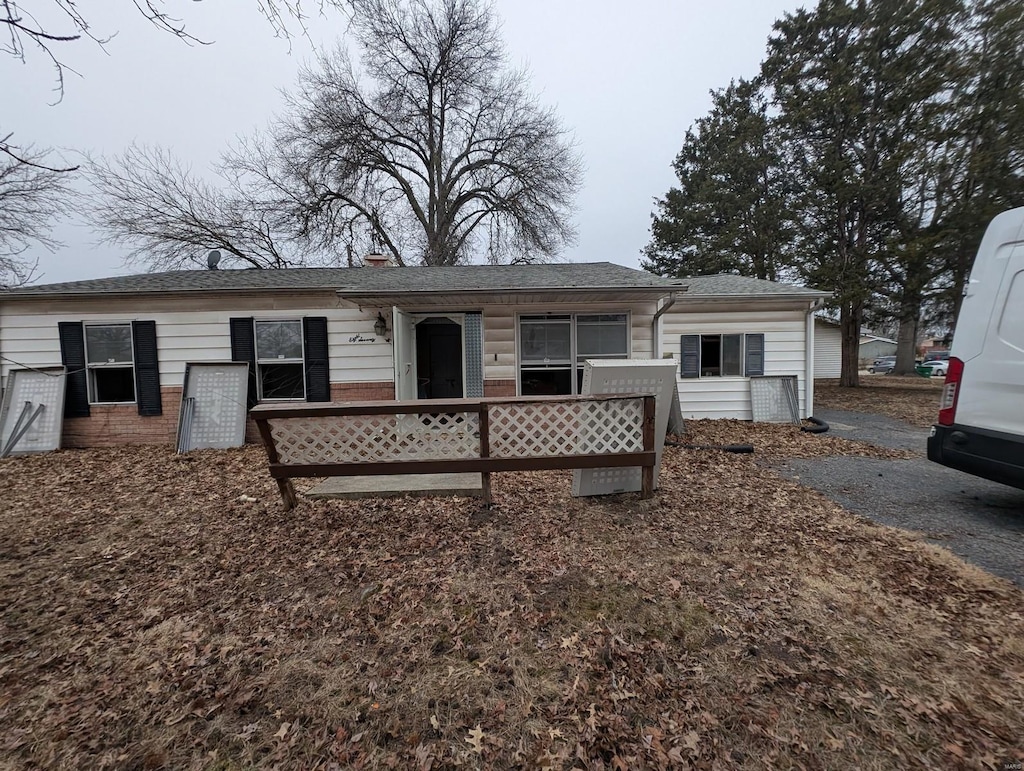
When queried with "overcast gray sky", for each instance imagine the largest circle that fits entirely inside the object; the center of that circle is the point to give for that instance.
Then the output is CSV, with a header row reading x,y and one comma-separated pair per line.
x,y
628,78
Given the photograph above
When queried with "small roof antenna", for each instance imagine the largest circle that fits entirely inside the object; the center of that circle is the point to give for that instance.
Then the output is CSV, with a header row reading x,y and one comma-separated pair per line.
x,y
213,259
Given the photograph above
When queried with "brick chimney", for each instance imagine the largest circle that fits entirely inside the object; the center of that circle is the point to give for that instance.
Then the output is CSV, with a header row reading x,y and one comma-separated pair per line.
x,y
376,261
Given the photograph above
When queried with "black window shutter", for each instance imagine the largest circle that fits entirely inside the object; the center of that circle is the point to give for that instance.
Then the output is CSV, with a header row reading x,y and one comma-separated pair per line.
x,y
243,348
147,370
689,356
72,356
755,355
318,383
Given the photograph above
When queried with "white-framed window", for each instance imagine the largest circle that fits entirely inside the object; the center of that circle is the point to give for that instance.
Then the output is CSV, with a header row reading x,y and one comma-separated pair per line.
x,y
279,362
110,363
554,347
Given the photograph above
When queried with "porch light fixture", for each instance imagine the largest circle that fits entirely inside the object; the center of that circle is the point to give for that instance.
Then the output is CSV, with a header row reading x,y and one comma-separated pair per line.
x,y
380,326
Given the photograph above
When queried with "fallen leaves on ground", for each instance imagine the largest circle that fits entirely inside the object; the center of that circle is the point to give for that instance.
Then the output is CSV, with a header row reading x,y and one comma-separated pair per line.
x,y
155,616
774,440
912,399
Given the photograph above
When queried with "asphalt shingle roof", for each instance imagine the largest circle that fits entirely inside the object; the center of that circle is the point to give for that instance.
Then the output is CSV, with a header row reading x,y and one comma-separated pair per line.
x,y
604,275
417,280
728,285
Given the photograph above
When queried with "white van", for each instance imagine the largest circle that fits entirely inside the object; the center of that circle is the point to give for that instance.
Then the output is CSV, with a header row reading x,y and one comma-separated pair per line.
x,y
981,415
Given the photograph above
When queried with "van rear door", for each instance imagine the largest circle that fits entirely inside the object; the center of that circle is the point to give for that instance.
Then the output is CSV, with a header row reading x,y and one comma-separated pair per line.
x,y
992,388
981,420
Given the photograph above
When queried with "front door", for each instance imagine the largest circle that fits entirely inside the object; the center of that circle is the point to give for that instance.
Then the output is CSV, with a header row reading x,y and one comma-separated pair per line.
x,y
439,359
403,334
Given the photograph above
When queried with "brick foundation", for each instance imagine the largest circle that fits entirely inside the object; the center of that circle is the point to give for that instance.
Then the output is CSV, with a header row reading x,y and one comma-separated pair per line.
x,y
112,425
499,387
252,433
374,391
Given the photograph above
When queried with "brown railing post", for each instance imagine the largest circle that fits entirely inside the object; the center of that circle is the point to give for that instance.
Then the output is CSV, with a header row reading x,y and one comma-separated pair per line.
x,y
647,477
485,451
283,484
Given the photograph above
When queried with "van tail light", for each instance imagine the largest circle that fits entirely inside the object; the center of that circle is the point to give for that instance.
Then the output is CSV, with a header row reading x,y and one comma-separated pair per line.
x,y
951,392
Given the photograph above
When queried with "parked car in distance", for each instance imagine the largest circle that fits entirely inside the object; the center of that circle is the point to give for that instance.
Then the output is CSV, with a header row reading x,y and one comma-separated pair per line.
x,y
884,364
936,356
938,368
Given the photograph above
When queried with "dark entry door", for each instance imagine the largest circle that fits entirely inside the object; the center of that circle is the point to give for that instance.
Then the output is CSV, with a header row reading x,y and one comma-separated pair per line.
x,y
439,359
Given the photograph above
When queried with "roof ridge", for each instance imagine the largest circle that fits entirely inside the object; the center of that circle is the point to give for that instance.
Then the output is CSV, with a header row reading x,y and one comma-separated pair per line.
x,y
569,276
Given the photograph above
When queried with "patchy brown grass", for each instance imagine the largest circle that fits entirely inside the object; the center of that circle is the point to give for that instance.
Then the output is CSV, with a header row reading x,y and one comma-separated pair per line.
x,y
912,399
155,617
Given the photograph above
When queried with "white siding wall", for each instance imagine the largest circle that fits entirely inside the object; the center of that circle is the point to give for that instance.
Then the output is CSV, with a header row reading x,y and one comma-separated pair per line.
x,y
729,397
828,348
196,330
193,330
500,354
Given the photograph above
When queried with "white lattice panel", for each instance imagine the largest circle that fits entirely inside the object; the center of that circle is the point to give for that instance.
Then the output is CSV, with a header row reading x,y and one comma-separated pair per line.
x,y
38,387
646,376
368,438
611,426
546,429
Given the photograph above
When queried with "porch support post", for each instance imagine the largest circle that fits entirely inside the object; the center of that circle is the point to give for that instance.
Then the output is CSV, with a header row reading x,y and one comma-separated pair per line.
x,y
485,451
284,484
647,477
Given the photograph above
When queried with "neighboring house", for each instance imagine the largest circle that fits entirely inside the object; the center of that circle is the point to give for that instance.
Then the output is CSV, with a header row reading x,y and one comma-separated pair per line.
x,y
828,348
873,346
930,344
344,334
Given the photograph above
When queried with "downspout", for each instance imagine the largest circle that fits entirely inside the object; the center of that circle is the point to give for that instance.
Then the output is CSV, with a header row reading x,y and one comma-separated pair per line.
x,y
656,324
809,354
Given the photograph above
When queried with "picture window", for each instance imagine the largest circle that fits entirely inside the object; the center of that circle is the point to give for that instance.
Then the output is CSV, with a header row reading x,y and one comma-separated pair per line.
x,y
553,349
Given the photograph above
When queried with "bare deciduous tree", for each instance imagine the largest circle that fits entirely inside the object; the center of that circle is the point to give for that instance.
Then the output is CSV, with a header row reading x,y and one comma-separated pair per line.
x,y
433,150
436,148
168,217
32,195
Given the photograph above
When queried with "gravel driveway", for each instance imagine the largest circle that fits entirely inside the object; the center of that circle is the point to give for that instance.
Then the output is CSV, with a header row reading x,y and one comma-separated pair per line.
x,y
981,521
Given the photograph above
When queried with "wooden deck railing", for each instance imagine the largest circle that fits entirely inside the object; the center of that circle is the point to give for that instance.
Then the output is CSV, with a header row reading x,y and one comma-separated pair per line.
x,y
458,435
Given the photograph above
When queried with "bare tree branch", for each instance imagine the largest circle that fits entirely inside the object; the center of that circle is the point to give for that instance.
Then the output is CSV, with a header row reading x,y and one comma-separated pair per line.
x,y
32,196
434,152
169,218
18,155
24,31
445,132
